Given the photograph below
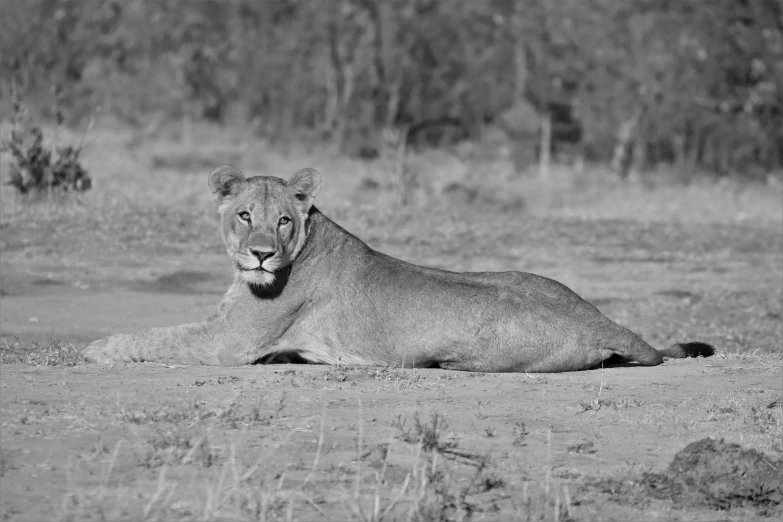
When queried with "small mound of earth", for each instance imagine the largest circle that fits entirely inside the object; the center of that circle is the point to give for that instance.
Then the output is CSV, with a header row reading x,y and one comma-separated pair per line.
x,y
708,474
719,475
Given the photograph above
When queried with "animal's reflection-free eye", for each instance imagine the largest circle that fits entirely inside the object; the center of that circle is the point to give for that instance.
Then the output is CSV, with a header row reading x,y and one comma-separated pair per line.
x,y
244,216
285,220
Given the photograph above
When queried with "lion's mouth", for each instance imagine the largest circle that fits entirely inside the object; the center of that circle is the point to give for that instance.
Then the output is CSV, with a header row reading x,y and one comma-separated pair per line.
x,y
258,267
257,275
254,267
246,268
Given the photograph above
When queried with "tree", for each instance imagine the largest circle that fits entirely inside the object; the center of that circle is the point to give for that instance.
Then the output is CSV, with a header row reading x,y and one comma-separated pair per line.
x,y
686,82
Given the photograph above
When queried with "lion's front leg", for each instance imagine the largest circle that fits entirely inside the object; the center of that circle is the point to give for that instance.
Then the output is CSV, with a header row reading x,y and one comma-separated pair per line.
x,y
208,342
112,349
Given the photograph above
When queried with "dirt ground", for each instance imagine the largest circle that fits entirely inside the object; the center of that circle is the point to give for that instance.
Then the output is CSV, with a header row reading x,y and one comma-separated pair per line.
x,y
307,442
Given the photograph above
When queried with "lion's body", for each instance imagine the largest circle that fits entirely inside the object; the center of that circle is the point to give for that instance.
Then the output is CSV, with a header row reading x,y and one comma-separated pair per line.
x,y
332,299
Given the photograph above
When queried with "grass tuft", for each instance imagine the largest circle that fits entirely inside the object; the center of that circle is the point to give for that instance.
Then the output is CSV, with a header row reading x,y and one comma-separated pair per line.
x,y
51,353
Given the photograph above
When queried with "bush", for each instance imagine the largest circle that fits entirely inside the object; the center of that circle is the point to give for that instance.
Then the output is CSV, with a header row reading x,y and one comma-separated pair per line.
x,y
34,171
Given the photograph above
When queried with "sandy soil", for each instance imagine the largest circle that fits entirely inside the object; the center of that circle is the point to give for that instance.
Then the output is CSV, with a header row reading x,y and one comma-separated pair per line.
x,y
93,434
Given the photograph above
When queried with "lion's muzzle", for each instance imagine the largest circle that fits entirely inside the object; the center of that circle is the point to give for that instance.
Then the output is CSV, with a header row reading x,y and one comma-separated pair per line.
x,y
258,260
262,253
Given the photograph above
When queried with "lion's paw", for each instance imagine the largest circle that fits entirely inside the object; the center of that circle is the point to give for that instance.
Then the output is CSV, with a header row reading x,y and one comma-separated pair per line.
x,y
109,350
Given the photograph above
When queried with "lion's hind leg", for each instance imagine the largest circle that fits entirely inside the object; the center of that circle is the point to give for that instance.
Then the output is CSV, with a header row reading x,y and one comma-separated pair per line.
x,y
644,354
626,346
638,350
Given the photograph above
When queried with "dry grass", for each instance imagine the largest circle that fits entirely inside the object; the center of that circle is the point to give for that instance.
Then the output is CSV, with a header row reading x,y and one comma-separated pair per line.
x,y
419,480
132,171
49,353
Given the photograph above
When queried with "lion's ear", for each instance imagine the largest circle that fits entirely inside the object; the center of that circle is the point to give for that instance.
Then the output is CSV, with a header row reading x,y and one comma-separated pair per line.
x,y
305,185
226,181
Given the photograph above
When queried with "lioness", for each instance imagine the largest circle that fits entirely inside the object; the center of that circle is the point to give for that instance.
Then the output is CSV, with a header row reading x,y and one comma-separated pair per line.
x,y
305,286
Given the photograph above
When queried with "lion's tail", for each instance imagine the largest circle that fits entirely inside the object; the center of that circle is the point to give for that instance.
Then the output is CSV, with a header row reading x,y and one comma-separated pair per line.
x,y
683,350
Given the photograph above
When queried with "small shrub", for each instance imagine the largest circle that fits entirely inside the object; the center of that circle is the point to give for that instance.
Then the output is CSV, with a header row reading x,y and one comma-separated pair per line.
x,y
35,169
441,498
429,436
426,434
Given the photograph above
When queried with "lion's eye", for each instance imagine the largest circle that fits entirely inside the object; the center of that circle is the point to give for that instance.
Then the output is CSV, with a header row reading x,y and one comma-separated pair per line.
x,y
244,216
285,220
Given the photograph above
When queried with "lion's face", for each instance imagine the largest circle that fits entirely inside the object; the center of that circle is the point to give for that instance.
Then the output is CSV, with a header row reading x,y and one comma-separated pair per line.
x,y
263,219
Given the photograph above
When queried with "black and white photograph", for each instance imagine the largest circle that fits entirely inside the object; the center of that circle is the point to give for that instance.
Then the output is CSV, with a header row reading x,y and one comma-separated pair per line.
x,y
391,260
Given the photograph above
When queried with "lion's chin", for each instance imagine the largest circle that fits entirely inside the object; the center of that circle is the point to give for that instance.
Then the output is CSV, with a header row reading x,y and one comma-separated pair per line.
x,y
259,277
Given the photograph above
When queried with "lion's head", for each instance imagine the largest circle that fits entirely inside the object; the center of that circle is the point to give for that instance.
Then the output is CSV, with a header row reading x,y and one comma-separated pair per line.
x,y
263,219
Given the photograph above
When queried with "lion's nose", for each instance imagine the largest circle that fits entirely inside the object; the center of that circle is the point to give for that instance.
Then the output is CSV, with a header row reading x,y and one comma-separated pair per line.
x,y
262,253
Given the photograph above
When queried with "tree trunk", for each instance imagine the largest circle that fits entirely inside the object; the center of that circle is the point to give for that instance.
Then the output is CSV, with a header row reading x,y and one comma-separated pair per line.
x,y
334,85
346,33
346,92
187,123
393,149
545,145
520,54
393,103
622,159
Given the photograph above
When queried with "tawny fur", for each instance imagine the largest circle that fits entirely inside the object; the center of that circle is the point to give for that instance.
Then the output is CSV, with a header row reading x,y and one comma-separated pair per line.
x,y
307,287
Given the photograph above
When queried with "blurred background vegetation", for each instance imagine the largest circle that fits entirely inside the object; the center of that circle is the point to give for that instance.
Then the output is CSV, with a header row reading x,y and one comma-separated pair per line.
x,y
691,85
